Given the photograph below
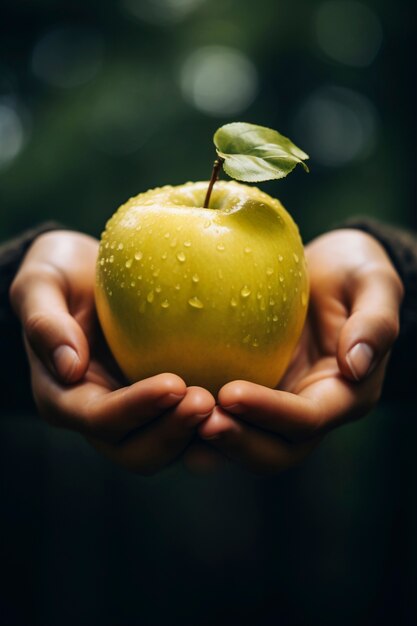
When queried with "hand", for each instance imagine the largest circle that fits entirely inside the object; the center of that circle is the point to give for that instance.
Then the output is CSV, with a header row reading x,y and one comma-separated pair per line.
x,y
75,382
337,371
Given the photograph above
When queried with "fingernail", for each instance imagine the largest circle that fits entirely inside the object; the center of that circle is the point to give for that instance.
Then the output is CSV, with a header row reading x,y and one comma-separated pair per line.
x,y
65,361
169,400
360,359
234,408
203,416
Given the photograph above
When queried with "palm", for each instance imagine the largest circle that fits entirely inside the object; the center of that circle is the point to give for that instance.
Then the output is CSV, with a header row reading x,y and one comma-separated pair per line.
x,y
315,358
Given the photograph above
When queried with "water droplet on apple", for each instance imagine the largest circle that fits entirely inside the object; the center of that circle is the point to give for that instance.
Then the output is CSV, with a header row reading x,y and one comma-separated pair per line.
x,y
138,256
181,257
178,286
110,292
303,298
284,297
195,303
164,304
122,285
102,261
106,245
112,245
245,292
120,246
299,274
173,243
280,258
195,278
255,343
220,247
248,250
111,259
133,283
164,256
233,302
150,297
271,301
269,271
138,228
129,263
296,259
275,318
158,288
167,235
281,278
187,244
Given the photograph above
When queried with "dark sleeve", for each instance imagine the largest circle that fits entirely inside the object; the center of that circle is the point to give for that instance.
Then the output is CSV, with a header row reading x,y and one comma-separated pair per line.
x,y
401,247
15,393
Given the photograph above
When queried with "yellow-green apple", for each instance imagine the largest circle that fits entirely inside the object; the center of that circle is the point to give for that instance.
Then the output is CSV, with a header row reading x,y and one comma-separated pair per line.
x,y
212,294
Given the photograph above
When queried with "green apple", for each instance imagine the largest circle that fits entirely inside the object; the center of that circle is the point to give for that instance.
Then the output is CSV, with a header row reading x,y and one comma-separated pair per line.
x,y
207,280
211,294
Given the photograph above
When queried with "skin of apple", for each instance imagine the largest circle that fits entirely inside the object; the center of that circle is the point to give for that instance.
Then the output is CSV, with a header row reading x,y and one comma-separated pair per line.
x,y
212,295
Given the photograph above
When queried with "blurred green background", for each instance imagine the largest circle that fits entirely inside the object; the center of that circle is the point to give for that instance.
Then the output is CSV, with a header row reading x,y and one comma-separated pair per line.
x,y
100,100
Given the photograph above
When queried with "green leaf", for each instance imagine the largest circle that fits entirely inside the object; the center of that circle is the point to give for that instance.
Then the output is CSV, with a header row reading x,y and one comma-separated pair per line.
x,y
254,153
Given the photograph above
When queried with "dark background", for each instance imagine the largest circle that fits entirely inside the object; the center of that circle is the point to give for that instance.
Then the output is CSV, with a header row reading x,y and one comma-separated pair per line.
x,y
101,100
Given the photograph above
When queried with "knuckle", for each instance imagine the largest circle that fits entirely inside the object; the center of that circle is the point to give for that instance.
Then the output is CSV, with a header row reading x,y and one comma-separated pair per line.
x,y
36,325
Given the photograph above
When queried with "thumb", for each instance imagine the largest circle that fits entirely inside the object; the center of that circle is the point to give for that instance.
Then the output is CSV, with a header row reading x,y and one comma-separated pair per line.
x,y
373,325
50,330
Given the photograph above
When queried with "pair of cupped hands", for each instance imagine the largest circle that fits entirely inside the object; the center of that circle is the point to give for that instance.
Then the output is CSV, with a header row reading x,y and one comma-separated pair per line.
x,y
336,374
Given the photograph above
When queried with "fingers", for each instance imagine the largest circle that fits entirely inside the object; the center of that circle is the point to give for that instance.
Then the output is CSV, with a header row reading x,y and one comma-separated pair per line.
x,y
52,333
373,325
279,412
94,410
325,401
257,450
159,443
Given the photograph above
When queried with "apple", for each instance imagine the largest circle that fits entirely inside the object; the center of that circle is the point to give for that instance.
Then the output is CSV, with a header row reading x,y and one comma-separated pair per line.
x,y
211,294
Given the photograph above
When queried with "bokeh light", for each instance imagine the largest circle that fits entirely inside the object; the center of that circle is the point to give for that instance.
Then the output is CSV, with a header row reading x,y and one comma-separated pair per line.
x,y
12,134
161,12
219,80
336,126
68,56
348,32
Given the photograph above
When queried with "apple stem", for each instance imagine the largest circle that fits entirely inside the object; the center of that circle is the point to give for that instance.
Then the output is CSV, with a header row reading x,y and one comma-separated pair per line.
x,y
218,163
